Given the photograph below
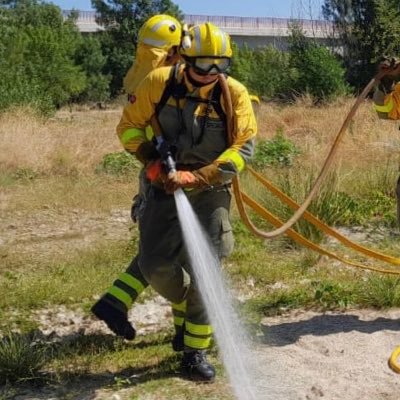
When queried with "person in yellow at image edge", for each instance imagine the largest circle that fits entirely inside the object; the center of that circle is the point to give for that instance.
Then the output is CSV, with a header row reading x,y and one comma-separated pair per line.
x,y
158,42
387,100
194,128
387,92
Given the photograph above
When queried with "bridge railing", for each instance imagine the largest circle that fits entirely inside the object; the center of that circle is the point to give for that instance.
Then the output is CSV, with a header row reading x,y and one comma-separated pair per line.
x,y
235,25
266,24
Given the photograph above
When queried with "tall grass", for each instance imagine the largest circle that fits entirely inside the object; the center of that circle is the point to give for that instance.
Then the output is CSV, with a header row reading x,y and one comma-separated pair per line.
x,y
21,358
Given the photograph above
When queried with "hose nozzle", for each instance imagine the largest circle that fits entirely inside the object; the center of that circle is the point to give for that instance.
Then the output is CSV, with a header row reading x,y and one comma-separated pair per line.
x,y
166,154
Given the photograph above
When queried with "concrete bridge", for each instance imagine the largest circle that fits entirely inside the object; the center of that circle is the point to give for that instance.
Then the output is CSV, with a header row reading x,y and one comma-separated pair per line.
x,y
254,31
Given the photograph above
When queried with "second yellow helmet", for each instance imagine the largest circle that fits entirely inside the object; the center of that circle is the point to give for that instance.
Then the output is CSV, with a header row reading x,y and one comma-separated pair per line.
x,y
161,31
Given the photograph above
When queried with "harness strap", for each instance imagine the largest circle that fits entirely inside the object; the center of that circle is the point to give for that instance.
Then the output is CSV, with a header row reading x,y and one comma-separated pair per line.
x,y
178,91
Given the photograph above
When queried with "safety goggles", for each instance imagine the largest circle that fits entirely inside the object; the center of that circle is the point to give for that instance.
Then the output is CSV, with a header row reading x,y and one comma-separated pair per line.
x,y
209,65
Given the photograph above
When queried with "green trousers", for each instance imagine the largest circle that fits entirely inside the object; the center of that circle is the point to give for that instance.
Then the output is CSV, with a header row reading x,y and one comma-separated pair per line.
x,y
163,260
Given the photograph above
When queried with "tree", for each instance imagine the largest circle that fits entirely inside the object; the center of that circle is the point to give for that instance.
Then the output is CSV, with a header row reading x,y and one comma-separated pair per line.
x,y
265,71
318,72
122,20
90,58
37,50
368,30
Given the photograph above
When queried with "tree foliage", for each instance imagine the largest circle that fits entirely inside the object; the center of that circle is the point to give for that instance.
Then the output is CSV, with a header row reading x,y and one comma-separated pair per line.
x,y
122,20
37,49
305,68
90,58
368,29
265,71
318,71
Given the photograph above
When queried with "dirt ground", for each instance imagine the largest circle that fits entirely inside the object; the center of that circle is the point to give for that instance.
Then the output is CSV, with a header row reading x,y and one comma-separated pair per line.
x,y
303,355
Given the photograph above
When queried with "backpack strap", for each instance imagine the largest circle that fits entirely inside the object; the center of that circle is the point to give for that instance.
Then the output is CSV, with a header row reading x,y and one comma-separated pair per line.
x,y
173,88
216,101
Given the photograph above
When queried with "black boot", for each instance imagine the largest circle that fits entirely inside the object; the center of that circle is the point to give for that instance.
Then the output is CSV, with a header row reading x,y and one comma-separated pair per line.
x,y
177,341
116,320
196,367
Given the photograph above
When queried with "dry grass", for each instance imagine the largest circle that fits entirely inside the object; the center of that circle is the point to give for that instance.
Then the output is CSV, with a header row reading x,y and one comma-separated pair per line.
x,y
77,140
65,150
313,129
369,147
69,142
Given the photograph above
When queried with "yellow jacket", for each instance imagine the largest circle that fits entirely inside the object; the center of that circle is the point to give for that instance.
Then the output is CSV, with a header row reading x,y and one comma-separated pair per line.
x,y
388,105
147,58
193,150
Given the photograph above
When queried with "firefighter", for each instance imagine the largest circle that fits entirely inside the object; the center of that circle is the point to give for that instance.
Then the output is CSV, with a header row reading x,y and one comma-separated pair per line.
x,y
158,42
387,101
387,92
186,105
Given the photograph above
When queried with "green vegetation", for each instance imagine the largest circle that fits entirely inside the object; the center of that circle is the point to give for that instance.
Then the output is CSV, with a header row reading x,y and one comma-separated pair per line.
x,y
120,163
46,63
21,358
368,30
278,151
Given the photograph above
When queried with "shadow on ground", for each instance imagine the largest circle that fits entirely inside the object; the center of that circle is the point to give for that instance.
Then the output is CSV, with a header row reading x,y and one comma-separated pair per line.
x,y
321,325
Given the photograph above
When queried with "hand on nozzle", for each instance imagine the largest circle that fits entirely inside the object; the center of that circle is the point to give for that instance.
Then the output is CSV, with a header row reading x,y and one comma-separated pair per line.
x,y
390,66
180,179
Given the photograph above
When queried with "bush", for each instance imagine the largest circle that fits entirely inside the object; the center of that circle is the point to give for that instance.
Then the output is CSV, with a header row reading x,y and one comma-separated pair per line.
x,y
279,151
120,163
264,71
318,72
91,59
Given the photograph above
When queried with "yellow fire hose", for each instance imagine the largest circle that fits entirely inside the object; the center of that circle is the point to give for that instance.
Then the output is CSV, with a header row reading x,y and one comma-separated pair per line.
x,y
242,198
325,168
319,224
393,360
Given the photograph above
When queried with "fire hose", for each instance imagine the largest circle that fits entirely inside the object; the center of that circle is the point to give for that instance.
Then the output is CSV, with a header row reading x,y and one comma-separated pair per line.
x,y
242,198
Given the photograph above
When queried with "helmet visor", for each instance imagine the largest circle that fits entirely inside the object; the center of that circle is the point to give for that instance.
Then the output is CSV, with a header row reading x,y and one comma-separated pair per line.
x,y
210,65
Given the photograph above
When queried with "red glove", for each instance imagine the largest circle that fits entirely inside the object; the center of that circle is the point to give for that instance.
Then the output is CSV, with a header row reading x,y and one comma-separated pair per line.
x,y
180,179
155,171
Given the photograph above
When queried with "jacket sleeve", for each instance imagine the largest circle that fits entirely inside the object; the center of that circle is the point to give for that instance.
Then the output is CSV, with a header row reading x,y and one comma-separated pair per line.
x,y
137,115
233,160
387,101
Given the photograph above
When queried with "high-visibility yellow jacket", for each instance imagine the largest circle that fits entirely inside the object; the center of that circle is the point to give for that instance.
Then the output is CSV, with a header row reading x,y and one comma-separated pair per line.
x,y
387,105
194,127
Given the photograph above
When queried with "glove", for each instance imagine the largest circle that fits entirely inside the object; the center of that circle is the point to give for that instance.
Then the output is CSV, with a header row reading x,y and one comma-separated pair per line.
x,y
209,175
180,179
155,172
146,152
390,65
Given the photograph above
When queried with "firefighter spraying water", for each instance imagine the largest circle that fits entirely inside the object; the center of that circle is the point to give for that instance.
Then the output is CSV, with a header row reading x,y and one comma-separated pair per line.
x,y
186,105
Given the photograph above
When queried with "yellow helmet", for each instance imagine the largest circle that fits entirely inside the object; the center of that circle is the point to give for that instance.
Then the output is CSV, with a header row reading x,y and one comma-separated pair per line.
x,y
207,40
209,51
161,31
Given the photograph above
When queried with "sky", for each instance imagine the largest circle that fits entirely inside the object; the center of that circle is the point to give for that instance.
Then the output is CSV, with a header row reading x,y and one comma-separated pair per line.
x,y
243,8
